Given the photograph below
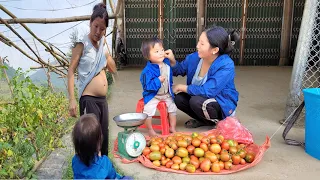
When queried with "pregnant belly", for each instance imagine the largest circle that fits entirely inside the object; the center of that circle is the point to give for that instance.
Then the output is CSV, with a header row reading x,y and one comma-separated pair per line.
x,y
98,86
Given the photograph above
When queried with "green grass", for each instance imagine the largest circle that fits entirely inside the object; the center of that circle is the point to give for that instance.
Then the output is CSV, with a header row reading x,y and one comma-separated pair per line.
x,y
67,173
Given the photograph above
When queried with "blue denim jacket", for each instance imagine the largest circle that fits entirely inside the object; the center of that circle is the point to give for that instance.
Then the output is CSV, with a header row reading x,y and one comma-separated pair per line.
x,y
150,81
220,81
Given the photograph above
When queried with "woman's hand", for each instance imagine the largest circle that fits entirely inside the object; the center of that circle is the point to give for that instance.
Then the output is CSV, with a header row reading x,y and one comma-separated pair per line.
x,y
73,108
179,88
169,54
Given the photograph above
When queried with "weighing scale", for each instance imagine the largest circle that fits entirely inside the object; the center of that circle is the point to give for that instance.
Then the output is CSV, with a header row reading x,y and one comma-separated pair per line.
x,y
130,141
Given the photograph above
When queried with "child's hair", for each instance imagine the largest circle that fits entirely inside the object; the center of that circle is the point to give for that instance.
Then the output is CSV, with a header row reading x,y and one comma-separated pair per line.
x,y
219,37
87,138
147,44
99,10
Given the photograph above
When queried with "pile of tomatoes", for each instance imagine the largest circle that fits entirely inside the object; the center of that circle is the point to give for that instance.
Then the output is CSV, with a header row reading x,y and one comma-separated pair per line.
x,y
209,153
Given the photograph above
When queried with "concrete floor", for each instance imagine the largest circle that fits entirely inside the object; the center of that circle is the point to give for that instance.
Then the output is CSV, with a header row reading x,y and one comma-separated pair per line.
x,y
263,92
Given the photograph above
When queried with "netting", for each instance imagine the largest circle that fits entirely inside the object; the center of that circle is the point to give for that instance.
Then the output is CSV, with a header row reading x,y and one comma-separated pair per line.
x,y
306,69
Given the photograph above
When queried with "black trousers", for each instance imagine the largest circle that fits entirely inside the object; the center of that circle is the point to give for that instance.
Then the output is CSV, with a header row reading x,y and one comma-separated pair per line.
x,y
99,107
192,105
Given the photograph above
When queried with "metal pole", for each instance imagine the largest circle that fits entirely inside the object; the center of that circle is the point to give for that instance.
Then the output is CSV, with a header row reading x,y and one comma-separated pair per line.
x,y
301,57
286,32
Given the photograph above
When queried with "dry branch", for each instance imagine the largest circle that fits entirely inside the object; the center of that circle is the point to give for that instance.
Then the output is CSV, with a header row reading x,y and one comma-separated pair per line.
x,y
46,66
50,20
6,75
60,72
16,33
13,16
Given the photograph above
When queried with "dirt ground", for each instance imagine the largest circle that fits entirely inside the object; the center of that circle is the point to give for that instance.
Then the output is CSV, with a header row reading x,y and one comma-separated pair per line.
x,y
263,92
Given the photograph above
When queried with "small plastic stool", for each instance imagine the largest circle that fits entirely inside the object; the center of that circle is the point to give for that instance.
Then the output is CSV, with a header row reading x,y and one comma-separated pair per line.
x,y
162,107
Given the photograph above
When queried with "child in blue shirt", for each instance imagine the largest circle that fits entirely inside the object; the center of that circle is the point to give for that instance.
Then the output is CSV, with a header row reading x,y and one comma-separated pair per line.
x,y
88,162
156,80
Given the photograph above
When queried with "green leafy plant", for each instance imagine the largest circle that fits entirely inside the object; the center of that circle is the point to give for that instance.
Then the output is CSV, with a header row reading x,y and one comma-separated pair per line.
x,y
31,127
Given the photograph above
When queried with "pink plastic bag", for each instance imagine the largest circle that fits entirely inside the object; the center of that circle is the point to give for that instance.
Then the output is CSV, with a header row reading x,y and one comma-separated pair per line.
x,y
231,128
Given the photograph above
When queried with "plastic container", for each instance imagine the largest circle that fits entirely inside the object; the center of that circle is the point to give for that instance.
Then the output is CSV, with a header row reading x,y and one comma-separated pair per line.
x,y
312,121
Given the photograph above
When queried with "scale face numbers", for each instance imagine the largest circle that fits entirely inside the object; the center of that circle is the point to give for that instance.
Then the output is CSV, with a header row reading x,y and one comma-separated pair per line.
x,y
135,144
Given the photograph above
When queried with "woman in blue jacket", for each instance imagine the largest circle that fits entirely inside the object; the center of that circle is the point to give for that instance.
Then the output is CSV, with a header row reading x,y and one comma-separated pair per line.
x,y
210,94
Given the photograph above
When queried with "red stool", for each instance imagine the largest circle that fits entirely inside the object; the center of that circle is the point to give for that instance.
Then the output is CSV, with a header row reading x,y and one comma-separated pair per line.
x,y
162,107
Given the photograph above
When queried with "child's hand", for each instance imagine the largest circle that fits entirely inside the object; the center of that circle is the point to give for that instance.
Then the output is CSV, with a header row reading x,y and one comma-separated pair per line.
x,y
162,78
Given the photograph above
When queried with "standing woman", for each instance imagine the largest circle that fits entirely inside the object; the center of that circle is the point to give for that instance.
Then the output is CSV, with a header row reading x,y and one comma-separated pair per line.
x,y
90,58
210,94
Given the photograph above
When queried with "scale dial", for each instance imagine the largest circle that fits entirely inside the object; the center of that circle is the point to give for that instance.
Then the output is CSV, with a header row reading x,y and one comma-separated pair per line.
x,y
135,144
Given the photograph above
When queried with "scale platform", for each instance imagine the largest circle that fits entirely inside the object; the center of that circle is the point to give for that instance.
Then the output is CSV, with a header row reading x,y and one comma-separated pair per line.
x,y
130,141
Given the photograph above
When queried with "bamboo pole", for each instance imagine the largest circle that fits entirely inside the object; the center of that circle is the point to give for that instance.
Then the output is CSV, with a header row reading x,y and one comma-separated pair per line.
x,y
65,61
47,73
201,6
13,16
5,41
115,11
39,67
114,29
6,75
160,15
243,30
286,32
121,25
48,76
35,60
111,5
19,49
46,20
16,33
49,20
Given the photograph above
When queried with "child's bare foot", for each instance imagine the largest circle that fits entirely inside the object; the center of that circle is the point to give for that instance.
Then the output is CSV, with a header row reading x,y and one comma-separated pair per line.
x,y
152,133
172,130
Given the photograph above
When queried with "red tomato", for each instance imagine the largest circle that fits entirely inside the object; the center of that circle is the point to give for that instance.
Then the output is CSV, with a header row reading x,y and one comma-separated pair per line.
x,y
225,145
205,140
210,136
236,159
242,161
205,165
215,148
221,164
215,167
220,139
213,140
211,156
227,165
169,164
233,150
242,153
225,157
146,151
196,142
190,149
195,162
204,146
177,160
249,157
